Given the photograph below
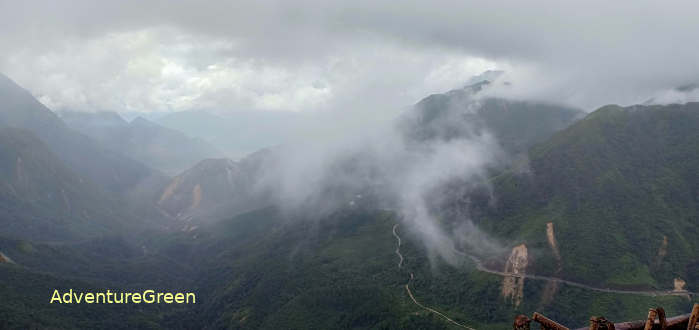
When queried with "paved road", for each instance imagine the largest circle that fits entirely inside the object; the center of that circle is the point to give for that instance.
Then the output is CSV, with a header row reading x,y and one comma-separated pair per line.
x,y
400,262
654,293
410,293
407,288
482,268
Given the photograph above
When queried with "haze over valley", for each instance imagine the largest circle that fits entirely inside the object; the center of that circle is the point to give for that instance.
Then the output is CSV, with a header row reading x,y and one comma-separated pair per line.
x,y
331,165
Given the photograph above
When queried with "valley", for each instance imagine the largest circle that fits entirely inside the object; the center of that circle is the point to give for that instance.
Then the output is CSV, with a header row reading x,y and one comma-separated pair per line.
x,y
349,165
506,239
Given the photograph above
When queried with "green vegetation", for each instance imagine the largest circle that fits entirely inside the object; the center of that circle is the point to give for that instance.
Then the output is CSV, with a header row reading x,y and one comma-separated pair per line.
x,y
259,270
25,305
614,184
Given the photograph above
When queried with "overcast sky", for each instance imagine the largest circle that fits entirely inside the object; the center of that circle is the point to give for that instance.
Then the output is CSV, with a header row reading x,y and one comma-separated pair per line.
x,y
147,55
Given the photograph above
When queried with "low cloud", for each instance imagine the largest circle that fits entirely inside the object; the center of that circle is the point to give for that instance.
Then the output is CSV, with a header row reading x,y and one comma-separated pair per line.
x,y
167,69
352,66
387,167
311,55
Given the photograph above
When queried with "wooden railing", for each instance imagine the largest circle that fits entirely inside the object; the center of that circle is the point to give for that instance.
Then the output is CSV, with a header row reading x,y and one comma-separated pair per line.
x,y
656,321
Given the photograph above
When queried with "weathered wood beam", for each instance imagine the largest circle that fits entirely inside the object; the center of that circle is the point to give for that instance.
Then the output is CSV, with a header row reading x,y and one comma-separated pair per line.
x,y
661,318
674,323
548,324
522,322
692,323
601,323
650,321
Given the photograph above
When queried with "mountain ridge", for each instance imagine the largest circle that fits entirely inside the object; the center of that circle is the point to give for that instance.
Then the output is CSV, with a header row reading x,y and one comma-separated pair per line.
x,y
159,147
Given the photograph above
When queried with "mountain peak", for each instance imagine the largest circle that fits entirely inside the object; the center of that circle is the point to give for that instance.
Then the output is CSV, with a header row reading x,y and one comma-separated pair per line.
x,y
102,118
7,82
19,108
485,77
140,121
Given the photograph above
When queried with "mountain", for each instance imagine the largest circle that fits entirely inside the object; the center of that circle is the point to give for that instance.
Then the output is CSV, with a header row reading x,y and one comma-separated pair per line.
x,y
95,265
621,188
158,147
103,188
680,94
107,169
460,113
239,133
42,199
608,202
215,189
340,271
33,290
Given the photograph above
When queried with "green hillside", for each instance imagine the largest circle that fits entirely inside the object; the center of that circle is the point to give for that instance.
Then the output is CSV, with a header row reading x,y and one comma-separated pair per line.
x,y
25,305
106,169
158,147
460,113
614,185
621,188
42,199
342,271
262,270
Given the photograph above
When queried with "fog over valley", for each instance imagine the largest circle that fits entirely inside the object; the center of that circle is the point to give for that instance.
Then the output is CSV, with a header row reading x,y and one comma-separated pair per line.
x,y
336,164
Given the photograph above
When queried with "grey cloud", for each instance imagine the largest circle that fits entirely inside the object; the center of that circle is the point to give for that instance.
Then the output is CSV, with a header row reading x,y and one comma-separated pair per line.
x,y
588,54
388,168
352,66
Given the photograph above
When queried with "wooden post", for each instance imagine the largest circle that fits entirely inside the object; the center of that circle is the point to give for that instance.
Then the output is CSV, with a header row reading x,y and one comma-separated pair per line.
x,y
692,324
547,324
652,313
522,322
600,323
661,318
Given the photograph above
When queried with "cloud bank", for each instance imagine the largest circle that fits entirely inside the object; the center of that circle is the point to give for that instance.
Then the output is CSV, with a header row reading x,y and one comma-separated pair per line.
x,y
354,64
328,55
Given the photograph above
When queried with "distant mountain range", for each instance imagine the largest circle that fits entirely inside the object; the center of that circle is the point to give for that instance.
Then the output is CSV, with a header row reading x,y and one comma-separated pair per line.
x,y
43,199
608,199
76,185
158,147
107,169
215,189
240,133
517,124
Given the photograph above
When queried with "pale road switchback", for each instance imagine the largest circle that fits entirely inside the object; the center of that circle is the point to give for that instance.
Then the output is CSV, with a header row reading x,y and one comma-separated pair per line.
x,y
654,293
482,268
410,293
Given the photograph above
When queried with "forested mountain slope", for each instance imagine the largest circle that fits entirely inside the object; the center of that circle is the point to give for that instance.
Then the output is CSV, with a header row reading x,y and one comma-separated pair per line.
x,y
108,170
621,188
42,199
158,147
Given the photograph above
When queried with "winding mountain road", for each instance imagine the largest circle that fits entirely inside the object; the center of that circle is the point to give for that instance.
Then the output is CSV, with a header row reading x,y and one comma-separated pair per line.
x,y
483,268
400,262
654,293
410,293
